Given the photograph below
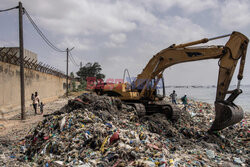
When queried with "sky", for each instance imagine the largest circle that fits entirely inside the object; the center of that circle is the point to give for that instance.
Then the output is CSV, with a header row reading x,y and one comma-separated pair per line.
x,y
127,33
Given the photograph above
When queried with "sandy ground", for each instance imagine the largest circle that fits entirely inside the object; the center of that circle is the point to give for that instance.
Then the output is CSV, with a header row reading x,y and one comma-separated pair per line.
x,y
13,129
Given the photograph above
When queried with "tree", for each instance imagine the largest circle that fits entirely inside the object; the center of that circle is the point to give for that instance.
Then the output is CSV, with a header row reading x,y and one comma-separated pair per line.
x,y
91,70
72,76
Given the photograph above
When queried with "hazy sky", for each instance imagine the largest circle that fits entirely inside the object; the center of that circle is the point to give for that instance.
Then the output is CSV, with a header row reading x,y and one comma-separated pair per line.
x,y
127,33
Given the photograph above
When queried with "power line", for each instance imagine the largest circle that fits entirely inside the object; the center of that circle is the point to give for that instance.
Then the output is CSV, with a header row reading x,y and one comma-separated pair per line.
x,y
5,10
41,34
73,60
50,44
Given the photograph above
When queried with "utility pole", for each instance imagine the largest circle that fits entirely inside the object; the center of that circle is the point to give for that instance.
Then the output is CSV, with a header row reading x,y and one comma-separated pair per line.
x,y
21,61
67,71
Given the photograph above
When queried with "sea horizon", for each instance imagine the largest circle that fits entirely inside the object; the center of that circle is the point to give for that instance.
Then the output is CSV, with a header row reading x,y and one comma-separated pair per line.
x,y
208,94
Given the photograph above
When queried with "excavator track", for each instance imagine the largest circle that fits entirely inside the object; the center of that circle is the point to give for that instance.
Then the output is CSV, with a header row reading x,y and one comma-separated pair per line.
x,y
175,113
172,112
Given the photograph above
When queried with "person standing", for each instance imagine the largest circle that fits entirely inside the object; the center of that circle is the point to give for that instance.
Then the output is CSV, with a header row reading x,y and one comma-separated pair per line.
x,y
41,107
173,97
32,97
35,102
184,101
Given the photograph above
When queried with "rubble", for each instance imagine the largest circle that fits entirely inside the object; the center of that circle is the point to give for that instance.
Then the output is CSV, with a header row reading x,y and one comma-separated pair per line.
x,y
102,131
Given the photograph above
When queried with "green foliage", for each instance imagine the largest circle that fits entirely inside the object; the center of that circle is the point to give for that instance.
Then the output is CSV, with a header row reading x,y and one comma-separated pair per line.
x,y
73,82
74,85
90,70
72,75
83,85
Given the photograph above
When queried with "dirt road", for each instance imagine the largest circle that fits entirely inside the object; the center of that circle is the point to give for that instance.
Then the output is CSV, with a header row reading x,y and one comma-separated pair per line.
x,y
13,129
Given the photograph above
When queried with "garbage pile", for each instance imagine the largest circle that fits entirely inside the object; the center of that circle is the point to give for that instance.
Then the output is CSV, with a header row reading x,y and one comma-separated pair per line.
x,y
102,131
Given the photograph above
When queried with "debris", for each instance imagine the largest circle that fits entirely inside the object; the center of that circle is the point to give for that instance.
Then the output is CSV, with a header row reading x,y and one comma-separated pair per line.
x,y
237,161
114,137
210,154
101,131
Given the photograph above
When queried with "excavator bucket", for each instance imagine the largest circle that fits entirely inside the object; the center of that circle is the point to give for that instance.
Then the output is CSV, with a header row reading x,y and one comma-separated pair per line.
x,y
226,115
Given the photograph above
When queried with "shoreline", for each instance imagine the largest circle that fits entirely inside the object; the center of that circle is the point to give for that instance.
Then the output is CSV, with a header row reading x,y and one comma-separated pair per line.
x,y
209,94
246,111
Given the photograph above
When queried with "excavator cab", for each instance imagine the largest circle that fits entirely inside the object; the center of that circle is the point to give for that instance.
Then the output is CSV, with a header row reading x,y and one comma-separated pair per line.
x,y
154,90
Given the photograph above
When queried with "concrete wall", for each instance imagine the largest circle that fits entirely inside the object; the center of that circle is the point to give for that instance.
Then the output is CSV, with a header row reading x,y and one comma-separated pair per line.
x,y
49,87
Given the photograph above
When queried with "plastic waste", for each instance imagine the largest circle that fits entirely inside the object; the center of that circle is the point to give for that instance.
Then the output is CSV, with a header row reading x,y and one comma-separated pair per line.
x,y
237,160
114,138
101,132
210,154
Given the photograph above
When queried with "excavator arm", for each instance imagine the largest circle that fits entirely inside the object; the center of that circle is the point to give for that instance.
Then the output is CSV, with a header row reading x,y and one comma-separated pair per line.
x,y
227,113
171,56
142,90
229,55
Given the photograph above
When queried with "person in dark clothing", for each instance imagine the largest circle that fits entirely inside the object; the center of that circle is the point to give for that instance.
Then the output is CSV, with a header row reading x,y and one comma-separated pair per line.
x,y
184,101
173,97
33,102
32,96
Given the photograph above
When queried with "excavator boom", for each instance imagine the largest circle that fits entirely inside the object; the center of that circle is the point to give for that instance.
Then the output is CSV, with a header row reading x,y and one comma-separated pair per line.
x,y
227,113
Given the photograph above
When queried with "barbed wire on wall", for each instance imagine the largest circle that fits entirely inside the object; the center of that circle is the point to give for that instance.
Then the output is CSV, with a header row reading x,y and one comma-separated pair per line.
x,y
9,55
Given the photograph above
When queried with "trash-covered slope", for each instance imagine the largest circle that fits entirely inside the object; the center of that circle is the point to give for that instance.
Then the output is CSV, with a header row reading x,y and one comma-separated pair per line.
x,y
101,131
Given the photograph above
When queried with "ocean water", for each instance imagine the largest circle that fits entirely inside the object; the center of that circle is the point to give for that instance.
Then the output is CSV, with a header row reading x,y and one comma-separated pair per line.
x,y
208,94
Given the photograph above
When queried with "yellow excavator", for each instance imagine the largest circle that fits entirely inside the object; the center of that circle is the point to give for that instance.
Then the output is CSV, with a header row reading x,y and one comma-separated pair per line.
x,y
142,92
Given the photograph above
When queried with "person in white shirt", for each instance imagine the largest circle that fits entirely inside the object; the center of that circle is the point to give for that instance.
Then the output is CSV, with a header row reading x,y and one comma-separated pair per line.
x,y
35,102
